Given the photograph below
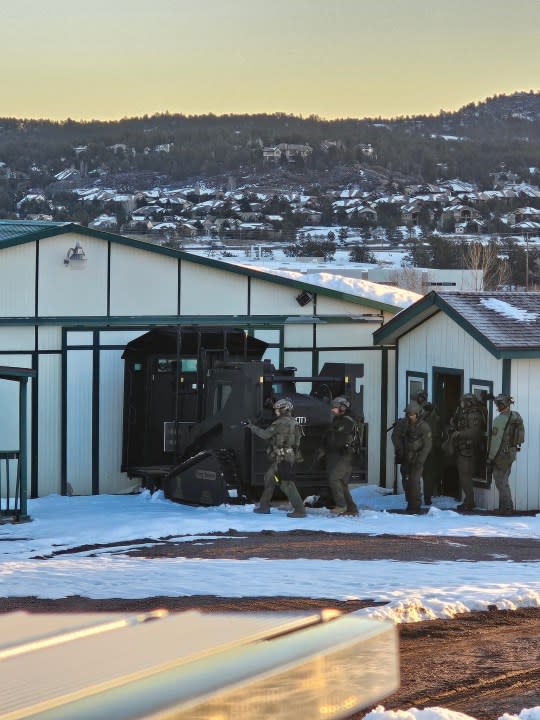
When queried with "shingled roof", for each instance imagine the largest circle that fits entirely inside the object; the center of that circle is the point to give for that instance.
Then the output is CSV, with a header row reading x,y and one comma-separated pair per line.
x,y
505,323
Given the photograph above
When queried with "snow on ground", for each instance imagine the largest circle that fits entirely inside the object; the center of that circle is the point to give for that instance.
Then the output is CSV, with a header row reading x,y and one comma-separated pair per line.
x,y
437,713
412,590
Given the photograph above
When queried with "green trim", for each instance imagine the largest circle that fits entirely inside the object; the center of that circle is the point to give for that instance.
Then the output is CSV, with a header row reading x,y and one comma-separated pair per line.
x,y
65,228
34,434
384,419
86,323
63,417
95,413
506,376
108,279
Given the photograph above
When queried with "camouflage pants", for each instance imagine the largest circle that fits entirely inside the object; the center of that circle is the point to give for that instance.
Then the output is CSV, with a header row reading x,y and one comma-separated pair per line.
x,y
501,473
465,466
339,475
288,488
412,489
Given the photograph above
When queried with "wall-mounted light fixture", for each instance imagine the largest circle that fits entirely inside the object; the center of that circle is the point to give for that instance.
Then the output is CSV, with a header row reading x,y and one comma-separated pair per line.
x,y
304,298
75,257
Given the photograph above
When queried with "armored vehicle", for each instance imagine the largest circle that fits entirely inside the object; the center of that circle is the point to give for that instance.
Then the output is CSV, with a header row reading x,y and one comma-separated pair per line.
x,y
187,394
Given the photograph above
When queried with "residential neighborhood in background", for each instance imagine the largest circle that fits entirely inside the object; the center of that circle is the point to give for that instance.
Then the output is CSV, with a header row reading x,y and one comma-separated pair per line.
x,y
386,198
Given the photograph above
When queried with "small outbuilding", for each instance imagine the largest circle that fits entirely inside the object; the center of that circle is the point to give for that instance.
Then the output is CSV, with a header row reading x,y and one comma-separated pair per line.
x,y
477,342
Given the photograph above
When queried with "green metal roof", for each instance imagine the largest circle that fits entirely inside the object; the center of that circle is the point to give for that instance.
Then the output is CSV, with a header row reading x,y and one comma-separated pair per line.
x,y
18,232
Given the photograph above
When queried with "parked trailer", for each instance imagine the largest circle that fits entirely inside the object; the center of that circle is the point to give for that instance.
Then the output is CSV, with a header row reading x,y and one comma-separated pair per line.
x,y
187,393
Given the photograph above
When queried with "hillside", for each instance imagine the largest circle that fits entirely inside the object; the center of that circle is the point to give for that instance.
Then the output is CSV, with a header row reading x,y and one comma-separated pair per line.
x,y
501,133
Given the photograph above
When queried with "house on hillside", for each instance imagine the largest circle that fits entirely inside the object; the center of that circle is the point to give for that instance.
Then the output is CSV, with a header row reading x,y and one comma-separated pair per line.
x,y
482,343
72,297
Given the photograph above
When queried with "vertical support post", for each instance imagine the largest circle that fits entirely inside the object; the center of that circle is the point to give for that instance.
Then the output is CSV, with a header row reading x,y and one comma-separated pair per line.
x,y
23,449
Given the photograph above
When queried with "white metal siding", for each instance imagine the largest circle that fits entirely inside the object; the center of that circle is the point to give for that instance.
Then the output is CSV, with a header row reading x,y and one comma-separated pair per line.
x,y
372,398
119,337
525,384
209,291
79,421
440,342
142,282
302,361
345,335
111,397
18,281
333,306
17,338
49,337
64,291
49,424
298,336
269,298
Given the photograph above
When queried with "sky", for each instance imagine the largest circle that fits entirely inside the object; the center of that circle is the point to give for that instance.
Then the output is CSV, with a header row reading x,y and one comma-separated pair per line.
x,y
412,591
347,58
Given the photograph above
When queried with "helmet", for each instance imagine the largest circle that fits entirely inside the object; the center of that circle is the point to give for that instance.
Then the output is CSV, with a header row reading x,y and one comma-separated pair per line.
x,y
503,400
469,399
341,402
413,408
283,405
420,397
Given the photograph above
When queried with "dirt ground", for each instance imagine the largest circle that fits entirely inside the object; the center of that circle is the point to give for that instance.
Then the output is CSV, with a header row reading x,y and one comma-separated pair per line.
x,y
483,664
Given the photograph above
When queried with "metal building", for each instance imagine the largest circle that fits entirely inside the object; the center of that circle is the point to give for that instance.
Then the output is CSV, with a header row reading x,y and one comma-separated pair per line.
x,y
72,297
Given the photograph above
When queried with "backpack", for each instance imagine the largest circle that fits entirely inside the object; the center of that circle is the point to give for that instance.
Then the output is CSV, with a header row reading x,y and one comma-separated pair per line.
x,y
517,429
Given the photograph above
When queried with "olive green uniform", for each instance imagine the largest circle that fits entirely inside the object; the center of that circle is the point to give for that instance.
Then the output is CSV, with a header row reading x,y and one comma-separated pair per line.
x,y
433,467
467,427
502,453
283,437
417,445
339,461
398,440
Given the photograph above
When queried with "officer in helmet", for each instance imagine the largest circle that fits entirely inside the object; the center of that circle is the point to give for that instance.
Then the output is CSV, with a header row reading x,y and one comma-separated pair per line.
x,y
507,434
338,448
467,428
413,445
433,467
283,450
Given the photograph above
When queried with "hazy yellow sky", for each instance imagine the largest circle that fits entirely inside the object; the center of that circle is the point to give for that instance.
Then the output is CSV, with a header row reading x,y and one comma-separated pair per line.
x,y
108,59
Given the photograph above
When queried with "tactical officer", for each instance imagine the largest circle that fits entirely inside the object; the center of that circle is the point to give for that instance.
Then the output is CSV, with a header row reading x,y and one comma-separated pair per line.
x,y
283,450
338,447
432,467
415,449
467,428
507,435
399,429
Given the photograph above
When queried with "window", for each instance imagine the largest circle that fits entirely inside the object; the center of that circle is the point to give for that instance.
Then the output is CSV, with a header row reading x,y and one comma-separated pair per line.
x,y
416,381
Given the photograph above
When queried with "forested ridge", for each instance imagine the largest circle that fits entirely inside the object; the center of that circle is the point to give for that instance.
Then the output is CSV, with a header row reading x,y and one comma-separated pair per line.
x,y
471,143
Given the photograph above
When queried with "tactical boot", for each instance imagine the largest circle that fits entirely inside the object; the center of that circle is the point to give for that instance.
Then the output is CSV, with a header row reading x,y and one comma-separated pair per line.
x,y
296,514
465,506
261,511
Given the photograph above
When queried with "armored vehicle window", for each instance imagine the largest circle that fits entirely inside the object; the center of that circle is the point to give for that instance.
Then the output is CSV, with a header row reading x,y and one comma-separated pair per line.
x,y
165,365
221,395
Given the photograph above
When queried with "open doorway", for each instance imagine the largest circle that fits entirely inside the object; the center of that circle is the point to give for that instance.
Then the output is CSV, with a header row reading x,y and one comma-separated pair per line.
x,y
447,392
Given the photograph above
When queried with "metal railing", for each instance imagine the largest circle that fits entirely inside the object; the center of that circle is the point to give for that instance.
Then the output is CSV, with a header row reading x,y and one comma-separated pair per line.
x,y
10,484
16,507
